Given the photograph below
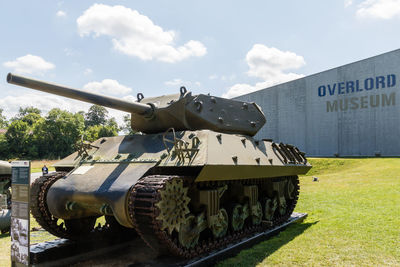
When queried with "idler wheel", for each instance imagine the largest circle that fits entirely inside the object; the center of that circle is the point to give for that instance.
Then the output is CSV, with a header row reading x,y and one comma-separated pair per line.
x,y
219,223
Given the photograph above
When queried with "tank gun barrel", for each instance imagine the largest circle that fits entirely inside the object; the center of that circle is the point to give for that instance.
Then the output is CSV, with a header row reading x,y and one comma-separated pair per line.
x,y
182,111
110,102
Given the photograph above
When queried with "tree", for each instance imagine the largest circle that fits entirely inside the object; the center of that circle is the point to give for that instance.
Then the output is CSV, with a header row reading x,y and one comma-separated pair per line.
x,y
58,133
97,115
21,140
28,110
17,136
126,128
4,149
28,114
32,136
97,124
97,131
3,120
31,118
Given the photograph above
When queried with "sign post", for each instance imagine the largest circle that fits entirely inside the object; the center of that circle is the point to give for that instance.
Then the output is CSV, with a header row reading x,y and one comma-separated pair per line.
x,y
20,217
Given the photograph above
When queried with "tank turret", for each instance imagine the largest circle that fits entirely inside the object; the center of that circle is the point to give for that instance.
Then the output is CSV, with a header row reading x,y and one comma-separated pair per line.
x,y
182,111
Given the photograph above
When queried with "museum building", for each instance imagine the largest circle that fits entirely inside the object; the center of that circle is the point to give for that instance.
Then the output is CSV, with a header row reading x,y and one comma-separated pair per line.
x,y
352,110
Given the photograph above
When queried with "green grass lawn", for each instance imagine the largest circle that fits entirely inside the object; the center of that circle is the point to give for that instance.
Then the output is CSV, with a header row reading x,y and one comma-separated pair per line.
x,y
353,218
5,242
36,165
36,237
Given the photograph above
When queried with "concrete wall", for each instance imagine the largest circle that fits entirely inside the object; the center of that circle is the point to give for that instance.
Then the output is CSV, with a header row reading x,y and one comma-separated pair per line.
x,y
352,110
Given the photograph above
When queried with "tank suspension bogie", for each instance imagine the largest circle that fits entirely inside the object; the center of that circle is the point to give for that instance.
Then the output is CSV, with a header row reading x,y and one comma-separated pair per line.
x,y
280,187
251,193
217,217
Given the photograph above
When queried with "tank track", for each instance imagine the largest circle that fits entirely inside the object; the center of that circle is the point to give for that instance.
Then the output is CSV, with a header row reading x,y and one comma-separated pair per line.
x,y
39,207
142,210
79,228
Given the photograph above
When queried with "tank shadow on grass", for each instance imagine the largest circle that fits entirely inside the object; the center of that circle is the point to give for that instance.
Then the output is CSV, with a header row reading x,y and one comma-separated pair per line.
x,y
264,249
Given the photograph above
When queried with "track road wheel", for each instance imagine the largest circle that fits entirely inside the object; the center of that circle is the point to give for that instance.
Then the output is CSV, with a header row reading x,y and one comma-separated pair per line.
x,y
256,213
189,233
282,205
219,223
270,206
237,217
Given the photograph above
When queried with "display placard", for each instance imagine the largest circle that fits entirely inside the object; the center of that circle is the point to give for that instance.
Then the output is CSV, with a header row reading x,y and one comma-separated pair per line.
x,y
20,219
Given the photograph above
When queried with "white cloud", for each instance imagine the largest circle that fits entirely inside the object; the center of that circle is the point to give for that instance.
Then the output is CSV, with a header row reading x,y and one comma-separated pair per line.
x,y
29,64
88,71
108,87
239,89
243,88
71,52
130,98
174,82
224,78
378,9
269,64
61,13
135,34
180,82
228,78
348,3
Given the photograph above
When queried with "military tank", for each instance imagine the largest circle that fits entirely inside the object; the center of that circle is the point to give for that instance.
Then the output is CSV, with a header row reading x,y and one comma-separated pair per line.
x,y
190,181
5,196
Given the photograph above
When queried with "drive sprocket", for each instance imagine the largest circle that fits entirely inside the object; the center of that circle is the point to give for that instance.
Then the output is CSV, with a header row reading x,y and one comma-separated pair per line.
x,y
173,205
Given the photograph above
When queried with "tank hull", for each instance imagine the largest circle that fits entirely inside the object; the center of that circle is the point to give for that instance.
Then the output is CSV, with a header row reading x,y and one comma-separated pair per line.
x,y
99,184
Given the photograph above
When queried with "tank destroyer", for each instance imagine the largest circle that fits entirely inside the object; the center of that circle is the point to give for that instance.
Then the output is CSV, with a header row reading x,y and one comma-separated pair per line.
x,y
193,179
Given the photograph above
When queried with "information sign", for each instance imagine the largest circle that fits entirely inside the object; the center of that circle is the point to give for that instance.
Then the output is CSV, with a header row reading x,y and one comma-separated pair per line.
x,y
20,219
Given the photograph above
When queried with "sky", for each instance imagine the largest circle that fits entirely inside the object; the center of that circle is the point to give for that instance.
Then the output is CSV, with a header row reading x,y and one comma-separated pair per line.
x,y
225,48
